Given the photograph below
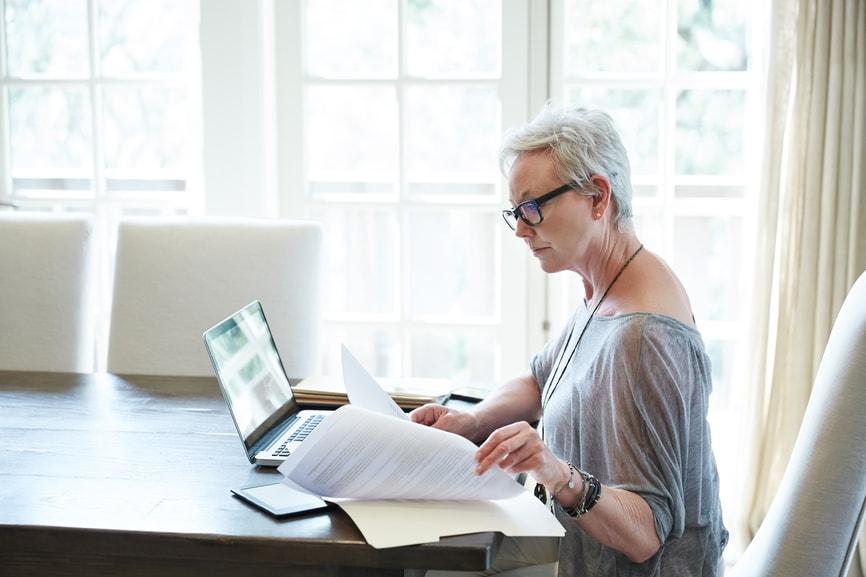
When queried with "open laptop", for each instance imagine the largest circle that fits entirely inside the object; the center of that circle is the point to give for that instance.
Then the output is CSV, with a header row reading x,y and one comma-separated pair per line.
x,y
256,388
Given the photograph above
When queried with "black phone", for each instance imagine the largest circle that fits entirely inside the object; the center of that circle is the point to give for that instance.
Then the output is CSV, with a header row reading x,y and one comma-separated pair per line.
x,y
279,499
470,393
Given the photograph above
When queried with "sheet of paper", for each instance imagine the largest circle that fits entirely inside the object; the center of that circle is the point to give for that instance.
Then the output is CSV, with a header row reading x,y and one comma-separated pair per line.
x,y
398,523
363,390
359,454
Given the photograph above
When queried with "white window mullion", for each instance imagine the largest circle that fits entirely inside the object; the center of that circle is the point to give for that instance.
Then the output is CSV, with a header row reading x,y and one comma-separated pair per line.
x,y
237,115
403,329
95,89
289,37
5,161
668,129
5,151
101,211
523,88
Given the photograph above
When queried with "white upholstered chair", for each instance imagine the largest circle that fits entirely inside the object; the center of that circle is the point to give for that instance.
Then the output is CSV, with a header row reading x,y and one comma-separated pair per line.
x,y
176,278
46,313
813,523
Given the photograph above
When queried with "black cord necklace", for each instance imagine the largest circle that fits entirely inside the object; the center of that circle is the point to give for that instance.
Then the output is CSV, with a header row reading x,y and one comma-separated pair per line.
x,y
560,367
540,490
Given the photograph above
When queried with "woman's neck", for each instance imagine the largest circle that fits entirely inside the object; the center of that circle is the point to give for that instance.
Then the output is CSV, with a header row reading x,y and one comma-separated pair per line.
x,y
605,263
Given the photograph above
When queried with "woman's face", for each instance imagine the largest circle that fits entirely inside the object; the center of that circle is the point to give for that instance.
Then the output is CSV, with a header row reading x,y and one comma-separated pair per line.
x,y
562,239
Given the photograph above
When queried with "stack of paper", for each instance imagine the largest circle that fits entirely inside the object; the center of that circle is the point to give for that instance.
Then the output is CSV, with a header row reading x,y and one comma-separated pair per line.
x,y
407,393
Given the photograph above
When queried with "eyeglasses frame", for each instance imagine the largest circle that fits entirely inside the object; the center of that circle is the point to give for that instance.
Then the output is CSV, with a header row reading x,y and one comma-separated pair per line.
x,y
517,211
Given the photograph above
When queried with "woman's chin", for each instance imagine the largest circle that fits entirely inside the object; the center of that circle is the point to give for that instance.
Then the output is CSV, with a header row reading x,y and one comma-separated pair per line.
x,y
549,265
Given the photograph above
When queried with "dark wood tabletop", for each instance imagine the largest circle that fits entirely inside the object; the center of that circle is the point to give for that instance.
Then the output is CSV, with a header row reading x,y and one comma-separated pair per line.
x,y
130,475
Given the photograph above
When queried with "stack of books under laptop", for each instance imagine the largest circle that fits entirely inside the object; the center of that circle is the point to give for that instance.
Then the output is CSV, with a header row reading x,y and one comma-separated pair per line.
x,y
407,393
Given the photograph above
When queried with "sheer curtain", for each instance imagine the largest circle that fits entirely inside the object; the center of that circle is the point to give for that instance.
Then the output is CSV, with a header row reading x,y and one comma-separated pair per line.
x,y
812,221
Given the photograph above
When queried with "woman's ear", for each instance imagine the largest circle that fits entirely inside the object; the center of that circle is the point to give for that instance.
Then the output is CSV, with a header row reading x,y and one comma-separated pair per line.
x,y
601,201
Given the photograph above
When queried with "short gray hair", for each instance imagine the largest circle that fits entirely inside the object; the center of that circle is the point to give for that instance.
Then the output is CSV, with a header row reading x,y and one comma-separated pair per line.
x,y
583,142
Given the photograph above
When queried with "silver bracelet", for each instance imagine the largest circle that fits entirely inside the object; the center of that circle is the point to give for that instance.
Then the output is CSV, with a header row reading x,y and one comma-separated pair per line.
x,y
589,496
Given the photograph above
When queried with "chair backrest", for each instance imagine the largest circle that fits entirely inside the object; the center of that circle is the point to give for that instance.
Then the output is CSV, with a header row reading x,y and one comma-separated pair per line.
x,y
815,519
176,278
46,311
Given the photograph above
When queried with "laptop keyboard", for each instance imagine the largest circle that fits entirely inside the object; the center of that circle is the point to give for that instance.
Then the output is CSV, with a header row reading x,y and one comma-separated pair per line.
x,y
299,435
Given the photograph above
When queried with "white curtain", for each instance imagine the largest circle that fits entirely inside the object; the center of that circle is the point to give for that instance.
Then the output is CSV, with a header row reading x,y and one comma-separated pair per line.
x,y
812,222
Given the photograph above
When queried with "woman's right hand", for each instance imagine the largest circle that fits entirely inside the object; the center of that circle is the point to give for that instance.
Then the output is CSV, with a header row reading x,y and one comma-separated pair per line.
x,y
462,423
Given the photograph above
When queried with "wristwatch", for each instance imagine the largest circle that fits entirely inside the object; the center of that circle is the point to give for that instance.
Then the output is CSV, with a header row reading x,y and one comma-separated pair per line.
x,y
548,497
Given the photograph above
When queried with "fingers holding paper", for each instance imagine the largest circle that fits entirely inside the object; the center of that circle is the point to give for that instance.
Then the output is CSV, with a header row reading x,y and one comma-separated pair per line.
x,y
440,417
517,448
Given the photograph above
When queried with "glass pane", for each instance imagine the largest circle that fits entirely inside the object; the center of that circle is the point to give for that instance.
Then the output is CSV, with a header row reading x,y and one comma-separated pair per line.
x,y
709,137
145,128
377,348
452,136
351,134
721,355
644,190
145,185
708,260
47,37
451,263
611,36
708,191
649,227
712,35
636,113
324,188
453,39
138,36
351,39
440,189
360,260
142,211
49,129
459,355
47,187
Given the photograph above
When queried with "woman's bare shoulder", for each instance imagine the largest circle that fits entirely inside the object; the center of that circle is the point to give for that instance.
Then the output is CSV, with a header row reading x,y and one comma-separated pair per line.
x,y
653,287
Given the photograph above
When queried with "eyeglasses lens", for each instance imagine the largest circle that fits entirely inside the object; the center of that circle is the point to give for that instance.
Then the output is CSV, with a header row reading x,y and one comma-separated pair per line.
x,y
510,219
530,213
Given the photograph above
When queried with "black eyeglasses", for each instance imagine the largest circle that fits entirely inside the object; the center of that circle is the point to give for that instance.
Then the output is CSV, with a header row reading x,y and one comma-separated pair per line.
x,y
529,211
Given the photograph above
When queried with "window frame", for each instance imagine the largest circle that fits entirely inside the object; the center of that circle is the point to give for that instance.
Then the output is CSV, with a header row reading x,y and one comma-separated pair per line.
x,y
726,407
524,25
107,207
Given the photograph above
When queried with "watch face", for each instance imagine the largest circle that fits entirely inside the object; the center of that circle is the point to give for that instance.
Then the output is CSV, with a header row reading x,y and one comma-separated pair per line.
x,y
541,492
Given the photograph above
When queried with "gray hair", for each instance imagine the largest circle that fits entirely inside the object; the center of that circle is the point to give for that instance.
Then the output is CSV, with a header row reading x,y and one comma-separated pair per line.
x,y
583,142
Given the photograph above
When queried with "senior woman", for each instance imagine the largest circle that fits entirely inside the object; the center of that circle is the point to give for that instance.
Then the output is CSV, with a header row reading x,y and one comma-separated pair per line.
x,y
622,449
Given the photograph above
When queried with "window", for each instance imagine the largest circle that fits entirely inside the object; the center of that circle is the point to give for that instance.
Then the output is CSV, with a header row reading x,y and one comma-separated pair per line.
x,y
683,81
386,116
403,108
99,102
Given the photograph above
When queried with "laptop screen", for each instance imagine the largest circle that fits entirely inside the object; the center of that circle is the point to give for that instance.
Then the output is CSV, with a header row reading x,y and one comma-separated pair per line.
x,y
250,372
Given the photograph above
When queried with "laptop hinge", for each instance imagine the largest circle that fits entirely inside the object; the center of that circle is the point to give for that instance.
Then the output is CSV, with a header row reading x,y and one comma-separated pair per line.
x,y
271,436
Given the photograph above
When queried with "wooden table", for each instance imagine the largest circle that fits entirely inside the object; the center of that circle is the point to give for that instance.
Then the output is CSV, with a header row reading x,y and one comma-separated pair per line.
x,y
108,475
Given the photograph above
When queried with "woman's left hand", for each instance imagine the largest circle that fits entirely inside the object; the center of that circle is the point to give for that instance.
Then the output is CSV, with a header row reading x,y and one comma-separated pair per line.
x,y
517,448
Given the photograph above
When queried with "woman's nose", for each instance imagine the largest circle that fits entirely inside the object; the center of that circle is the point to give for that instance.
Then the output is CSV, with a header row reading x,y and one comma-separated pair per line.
x,y
522,229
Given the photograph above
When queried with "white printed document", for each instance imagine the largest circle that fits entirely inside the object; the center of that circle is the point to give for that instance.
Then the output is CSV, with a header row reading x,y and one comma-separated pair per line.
x,y
403,483
363,390
358,454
